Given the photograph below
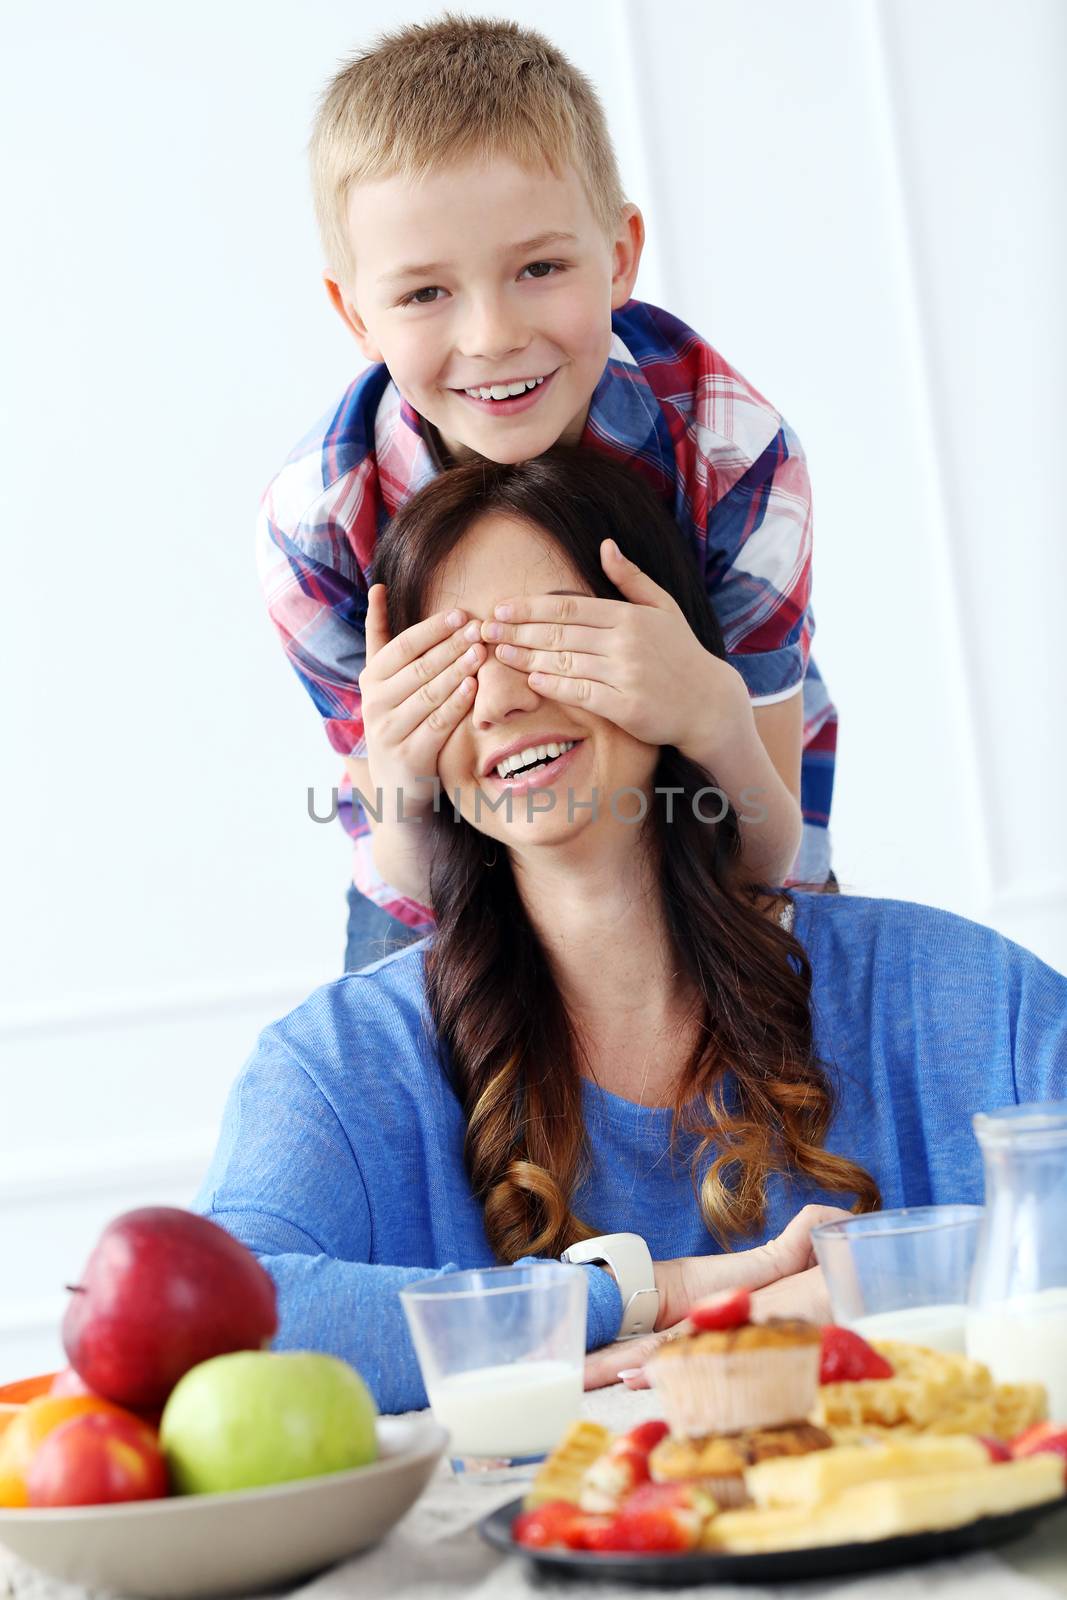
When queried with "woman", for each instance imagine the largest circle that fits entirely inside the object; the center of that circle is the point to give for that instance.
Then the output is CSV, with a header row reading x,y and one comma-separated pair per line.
x,y
609,1029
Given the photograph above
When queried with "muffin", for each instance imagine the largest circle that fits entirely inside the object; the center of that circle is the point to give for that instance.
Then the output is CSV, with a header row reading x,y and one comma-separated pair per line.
x,y
718,1463
725,1380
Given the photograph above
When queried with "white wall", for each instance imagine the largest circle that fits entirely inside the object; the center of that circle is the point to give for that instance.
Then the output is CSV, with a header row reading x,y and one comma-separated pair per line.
x,y
860,203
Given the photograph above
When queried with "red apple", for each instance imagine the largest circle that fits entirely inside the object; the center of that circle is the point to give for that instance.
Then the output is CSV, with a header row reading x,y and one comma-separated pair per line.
x,y
97,1459
163,1290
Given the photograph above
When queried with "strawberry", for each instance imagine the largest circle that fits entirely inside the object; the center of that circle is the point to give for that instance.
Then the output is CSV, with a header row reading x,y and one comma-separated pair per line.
x,y
621,1468
1041,1437
657,1517
645,1437
556,1524
729,1310
612,1476
996,1449
846,1358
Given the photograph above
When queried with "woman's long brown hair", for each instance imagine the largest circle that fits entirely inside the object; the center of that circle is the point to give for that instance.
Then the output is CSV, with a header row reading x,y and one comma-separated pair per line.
x,y
752,1094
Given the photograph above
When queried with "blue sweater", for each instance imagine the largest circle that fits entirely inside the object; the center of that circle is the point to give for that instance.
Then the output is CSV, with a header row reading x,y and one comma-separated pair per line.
x,y
340,1160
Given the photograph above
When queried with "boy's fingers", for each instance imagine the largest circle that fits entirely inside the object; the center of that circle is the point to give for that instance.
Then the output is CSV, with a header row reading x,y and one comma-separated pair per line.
x,y
434,705
377,625
417,640
627,576
582,608
423,684
549,635
562,663
584,692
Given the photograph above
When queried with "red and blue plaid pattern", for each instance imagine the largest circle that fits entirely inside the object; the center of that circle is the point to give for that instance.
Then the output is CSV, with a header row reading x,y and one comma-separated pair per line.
x,y
723,461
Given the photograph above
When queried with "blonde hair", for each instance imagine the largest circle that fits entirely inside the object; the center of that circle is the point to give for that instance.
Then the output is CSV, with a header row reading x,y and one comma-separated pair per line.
x,y
431,94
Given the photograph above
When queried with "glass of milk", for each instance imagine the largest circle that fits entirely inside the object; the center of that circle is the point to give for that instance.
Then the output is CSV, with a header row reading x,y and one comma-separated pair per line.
x,y
1017,1320
902,1274
502,1353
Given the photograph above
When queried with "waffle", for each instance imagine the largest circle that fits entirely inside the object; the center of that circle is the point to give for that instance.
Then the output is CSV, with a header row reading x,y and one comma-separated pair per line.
x,y
931,1391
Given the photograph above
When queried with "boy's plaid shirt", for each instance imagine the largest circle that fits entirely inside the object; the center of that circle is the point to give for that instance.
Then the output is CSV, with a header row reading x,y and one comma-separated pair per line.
x,y
721,458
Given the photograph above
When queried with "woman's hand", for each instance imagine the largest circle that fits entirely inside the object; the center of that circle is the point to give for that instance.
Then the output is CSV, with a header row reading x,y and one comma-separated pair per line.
x,y
801,1295
416,689
781,1273
686,1281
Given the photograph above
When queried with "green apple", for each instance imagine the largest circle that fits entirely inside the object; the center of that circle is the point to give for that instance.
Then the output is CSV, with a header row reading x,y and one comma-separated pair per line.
x,y
255,1417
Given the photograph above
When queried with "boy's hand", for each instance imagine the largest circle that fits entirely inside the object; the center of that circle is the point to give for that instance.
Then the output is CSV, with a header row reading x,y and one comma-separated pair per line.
x,y
636,662
416,689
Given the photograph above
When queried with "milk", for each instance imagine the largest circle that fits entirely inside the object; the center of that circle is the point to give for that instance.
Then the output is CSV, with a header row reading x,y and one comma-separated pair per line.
x,y
508,1411
1024,1340
938,1327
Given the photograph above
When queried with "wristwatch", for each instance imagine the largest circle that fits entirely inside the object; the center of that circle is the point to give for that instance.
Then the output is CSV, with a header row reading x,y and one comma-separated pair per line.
x,y
630,1260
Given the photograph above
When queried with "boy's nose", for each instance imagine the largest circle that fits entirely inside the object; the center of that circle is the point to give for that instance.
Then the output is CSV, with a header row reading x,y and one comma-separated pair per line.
x,y
492,330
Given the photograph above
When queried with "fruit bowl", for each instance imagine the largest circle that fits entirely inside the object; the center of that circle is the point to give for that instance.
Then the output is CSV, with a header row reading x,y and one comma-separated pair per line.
x,y
223,1544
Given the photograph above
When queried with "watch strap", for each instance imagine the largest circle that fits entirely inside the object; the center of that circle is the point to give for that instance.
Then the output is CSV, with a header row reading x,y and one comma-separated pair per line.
x,y
630,1260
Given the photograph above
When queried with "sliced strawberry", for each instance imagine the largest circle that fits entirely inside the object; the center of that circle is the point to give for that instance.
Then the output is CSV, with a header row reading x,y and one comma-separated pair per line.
x,y
659,1517
729,1310
645,1437
611,1477
556,1524
996,1449
846,1358
1041,1437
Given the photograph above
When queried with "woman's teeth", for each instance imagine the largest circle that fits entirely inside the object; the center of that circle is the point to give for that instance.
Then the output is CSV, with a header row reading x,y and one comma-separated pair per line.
x,y
504,391
525,758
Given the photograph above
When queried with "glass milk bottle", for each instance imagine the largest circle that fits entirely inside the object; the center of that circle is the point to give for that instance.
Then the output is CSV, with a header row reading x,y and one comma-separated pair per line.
x,y
1017,1312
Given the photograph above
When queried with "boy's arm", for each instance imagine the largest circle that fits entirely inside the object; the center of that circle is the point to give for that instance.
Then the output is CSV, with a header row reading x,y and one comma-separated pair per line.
x,y
758,576
319,610
757,766
399,849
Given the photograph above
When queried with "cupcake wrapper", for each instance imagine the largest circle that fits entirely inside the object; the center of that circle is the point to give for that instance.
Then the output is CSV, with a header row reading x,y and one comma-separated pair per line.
x,y
728,1391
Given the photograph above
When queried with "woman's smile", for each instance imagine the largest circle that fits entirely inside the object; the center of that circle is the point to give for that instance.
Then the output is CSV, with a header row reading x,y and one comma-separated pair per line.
x,y
542,776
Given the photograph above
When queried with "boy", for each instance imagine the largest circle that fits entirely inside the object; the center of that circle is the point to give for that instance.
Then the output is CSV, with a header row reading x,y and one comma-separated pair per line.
x,y
481,251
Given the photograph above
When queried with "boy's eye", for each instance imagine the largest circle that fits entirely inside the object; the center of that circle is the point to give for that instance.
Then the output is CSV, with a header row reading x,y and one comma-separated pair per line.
x,y
415,297
548,266
428,296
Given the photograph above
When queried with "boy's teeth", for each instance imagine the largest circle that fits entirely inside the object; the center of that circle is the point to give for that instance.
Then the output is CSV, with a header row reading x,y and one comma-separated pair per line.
x,y
522,758
504,391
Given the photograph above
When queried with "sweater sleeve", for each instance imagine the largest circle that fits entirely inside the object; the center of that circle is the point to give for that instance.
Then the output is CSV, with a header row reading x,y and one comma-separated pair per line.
x,y
286,1182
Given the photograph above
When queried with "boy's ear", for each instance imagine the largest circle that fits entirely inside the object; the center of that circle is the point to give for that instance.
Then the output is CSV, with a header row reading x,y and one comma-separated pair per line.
x,y
626,255
346,310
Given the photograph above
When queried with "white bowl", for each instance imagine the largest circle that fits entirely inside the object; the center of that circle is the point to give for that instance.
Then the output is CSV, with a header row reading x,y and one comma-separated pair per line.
x,y
221,1544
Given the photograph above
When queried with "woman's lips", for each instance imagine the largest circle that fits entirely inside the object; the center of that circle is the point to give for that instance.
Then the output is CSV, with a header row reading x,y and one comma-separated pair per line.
x,y
507,408
538,777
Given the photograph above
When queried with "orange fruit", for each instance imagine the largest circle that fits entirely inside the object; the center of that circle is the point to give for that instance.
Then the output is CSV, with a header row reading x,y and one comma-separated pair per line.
x,y
33,1422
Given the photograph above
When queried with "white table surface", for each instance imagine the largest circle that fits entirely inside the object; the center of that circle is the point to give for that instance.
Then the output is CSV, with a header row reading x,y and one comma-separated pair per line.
x,y
436,1553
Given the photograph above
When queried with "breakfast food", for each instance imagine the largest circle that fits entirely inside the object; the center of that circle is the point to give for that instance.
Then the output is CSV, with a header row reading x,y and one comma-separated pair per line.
x,y
886,1507
900,1439
759,1375
926,1391
818,1477
561,1474
719,1464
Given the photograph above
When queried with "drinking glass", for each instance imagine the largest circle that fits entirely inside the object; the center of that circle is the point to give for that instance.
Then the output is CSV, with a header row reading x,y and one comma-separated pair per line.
x,y
502,1351
902,1274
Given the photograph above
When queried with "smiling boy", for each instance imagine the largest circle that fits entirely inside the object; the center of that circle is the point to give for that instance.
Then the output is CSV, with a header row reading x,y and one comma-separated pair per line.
x,y
481,251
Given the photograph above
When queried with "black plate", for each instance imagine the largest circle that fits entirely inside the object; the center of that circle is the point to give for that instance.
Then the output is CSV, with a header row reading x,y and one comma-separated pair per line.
x,y
778,1566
